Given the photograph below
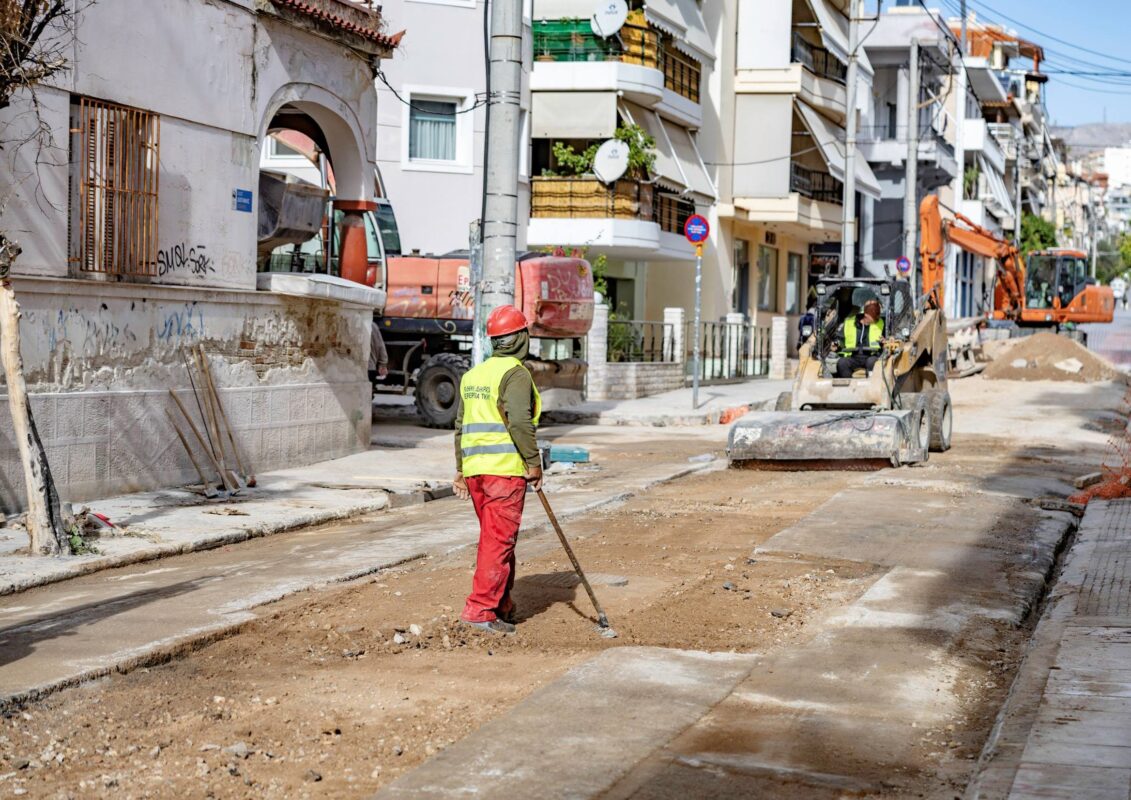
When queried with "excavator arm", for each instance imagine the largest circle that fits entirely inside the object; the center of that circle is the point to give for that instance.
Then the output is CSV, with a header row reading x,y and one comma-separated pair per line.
x,y
1009,294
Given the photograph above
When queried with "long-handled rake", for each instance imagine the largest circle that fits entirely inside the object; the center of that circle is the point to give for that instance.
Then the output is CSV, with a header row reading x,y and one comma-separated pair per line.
x,y
603,626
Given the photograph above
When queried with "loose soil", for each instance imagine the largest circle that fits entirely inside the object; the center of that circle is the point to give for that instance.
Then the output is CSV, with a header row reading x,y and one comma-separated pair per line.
x,y
1042,352
338,692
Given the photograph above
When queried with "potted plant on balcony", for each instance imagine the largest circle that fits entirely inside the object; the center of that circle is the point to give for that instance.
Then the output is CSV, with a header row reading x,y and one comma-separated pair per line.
x,y
630,197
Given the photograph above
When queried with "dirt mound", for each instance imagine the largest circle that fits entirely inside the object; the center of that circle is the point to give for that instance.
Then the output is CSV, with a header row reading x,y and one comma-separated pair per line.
x,y
1048,357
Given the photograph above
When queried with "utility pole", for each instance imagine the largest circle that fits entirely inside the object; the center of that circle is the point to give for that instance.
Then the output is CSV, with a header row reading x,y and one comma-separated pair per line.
x,y
500,183
1017,188
962,46
911,178
1092,229
848,226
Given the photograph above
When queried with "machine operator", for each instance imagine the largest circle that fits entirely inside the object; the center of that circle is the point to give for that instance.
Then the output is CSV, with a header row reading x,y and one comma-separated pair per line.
x,y
861,338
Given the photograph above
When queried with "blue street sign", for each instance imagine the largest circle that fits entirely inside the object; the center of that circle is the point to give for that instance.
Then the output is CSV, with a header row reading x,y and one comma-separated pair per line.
x,y
903,265
697,229
241,200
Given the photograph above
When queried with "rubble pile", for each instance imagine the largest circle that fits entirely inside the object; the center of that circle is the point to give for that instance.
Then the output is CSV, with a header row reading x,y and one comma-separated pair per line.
x,y
1048,357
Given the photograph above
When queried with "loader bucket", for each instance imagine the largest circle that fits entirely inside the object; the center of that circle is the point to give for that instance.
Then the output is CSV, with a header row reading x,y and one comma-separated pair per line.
x,y
829,439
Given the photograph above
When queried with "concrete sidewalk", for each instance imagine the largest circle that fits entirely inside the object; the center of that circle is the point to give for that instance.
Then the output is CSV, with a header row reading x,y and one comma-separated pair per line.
x,y
717,403
173,521
1066,731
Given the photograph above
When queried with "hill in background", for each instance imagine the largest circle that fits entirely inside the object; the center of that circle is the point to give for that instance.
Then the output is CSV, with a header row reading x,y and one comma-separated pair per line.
x,y
1083,139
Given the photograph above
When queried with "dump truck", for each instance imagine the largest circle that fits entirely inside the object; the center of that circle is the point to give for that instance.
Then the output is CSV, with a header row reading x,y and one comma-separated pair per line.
x,y
428,317
896,414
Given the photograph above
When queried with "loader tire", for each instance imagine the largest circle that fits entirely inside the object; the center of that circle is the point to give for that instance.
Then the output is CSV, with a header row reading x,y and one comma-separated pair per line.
x,y
942,420
437,389
785,402
920,403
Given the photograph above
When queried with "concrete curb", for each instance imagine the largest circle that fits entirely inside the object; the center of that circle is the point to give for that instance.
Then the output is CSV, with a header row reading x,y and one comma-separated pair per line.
x,y
67,571
717,416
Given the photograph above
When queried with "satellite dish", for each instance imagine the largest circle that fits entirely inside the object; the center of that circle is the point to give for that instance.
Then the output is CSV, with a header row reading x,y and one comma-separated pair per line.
x,y
609,17
611,161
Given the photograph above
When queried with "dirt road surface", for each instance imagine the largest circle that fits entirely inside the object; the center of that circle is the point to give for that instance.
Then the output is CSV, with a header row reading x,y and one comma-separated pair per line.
x,y
337,692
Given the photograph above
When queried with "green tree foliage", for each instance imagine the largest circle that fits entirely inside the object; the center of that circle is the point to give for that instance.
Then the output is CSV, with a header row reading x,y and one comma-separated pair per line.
x,y
1113,259
1036,234
641,154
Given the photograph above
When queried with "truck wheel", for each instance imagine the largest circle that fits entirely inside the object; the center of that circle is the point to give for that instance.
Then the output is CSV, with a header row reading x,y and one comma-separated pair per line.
x,y
942,420
437,389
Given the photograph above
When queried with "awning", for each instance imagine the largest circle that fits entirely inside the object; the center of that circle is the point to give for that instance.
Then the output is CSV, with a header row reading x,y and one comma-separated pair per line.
x,y
984,81
830,141
834,28
573,115
690,161
684,21
563,9
667,171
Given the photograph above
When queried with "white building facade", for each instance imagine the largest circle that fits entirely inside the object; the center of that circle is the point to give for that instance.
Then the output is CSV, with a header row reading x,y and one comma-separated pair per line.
x,y
139,229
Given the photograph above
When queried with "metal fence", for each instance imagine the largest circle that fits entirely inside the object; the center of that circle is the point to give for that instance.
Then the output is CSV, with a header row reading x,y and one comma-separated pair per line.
x,y
729,351
636,341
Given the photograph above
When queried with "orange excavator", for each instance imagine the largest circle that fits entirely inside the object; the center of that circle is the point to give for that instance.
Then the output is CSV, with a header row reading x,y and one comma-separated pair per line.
x,y
1053,290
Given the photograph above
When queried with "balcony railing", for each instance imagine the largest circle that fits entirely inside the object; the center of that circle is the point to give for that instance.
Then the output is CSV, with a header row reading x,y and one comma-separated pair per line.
x,y
681,74
588,198
574,40
672,212
818,60
815,185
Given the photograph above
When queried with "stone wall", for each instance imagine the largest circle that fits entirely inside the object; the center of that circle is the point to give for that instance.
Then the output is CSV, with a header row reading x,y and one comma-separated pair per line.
x,y
629,381
101,358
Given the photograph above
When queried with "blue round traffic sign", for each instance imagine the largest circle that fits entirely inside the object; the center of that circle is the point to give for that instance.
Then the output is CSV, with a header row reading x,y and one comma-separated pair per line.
x,y
697,229
903,265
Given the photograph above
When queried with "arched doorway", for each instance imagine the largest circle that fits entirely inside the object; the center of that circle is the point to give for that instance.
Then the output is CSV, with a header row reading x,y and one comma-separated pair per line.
x,y
318,126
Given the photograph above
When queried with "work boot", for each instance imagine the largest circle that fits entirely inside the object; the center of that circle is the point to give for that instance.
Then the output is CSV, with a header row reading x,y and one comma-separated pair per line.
x,y
493,626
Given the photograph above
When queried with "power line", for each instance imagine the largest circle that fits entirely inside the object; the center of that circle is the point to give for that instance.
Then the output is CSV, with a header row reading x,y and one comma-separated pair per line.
x,y
1048,36
480,101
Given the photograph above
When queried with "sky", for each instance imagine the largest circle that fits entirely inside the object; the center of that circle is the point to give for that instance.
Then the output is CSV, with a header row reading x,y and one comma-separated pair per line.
x,y
1102,26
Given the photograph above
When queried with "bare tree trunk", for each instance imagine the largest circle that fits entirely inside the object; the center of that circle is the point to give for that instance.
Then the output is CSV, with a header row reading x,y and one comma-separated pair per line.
x,y
44,522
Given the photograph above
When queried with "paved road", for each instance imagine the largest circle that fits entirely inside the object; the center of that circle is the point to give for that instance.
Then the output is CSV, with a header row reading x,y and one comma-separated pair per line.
x,y
1113,341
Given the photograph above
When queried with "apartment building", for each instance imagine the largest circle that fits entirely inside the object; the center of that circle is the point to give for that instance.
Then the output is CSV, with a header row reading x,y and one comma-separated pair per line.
x,y
782,100
140,226
649,83
431,122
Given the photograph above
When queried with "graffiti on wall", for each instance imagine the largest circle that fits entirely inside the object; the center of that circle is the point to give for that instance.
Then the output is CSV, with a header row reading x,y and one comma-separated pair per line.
x,y
184,258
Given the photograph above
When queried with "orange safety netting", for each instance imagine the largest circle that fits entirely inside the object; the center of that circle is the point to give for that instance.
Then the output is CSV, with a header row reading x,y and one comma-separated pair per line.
x,y
1116,470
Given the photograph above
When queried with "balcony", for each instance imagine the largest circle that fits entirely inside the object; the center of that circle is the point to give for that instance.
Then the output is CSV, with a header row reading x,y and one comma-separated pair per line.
x,y
814,185
815,75
570,58
976,138
817,60
1004,134
629,219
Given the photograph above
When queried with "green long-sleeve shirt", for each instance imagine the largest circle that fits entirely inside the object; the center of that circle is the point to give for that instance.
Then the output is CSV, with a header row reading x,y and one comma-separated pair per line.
x,y
516,404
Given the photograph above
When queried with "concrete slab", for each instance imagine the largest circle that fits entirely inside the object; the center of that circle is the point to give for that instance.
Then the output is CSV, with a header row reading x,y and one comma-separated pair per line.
x,y
605,715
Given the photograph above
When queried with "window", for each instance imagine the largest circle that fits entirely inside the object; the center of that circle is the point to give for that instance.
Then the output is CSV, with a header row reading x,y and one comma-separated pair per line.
x,y
741,276
276,148
113,188
767,278
437,130
432,130
793,284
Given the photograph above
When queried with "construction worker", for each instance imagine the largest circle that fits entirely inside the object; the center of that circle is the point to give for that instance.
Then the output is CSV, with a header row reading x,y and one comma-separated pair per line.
x,y
860,337
496,458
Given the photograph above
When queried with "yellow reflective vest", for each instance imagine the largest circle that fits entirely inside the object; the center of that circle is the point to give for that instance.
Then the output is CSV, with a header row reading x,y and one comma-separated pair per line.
x,y
875,334
486,444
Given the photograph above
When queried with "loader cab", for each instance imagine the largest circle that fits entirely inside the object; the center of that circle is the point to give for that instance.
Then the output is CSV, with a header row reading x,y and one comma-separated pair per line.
x,y
839,300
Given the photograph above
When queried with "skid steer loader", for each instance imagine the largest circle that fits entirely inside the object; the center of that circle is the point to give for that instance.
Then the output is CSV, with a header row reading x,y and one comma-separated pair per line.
x,y
894,415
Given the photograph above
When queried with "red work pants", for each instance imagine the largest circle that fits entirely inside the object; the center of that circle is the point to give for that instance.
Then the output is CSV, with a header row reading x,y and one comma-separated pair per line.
x,y
498,502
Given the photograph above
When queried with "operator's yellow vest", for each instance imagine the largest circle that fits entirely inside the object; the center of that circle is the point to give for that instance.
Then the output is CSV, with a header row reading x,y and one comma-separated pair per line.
x,y
875,334
486,445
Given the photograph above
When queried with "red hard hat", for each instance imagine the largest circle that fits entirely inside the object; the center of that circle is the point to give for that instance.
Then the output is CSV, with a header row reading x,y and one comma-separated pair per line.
x,y
504,320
